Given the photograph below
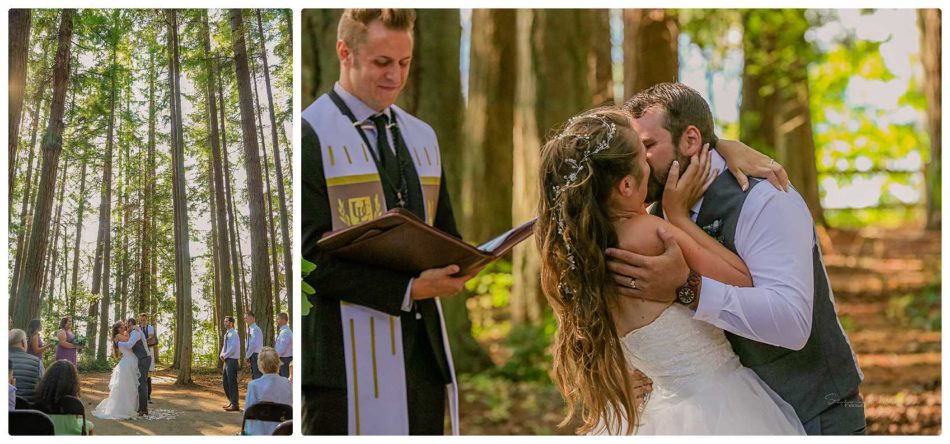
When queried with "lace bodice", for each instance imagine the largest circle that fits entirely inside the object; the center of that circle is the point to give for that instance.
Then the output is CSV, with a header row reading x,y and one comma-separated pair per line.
x,y
676,351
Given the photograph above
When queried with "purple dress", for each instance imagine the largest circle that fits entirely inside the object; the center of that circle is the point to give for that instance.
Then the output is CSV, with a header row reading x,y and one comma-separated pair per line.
x,y
35,351
68,354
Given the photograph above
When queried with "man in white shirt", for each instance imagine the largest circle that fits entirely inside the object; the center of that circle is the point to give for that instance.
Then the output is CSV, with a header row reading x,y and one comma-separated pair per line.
x,y
284,344
230,354
785,328
255,342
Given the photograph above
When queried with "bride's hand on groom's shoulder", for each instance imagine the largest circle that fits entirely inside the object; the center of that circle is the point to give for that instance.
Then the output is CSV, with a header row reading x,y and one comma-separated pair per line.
x,y
744,161
683,191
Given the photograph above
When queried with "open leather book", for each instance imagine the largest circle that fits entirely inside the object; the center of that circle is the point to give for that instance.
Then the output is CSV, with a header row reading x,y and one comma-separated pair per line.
x,y
399,241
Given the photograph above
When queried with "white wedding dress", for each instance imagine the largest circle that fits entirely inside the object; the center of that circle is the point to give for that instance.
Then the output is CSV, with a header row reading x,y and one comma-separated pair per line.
x,y
123,400
699,386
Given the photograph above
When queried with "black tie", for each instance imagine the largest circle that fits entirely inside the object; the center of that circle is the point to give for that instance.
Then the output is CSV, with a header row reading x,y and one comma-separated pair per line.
x,y
387,158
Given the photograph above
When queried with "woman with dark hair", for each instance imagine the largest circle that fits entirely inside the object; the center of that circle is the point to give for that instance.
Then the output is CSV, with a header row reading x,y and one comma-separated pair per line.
x,y
61,380
34,341
123,399
594,181
65,349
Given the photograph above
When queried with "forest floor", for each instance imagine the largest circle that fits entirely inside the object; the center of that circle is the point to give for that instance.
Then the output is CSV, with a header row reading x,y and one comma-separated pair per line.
x,y
175,410
887,290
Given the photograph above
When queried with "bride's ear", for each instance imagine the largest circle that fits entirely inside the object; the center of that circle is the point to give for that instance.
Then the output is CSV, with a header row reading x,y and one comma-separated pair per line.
x,y
626,186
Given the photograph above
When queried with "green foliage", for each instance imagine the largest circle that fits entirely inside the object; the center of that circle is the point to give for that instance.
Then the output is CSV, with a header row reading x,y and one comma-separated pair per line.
x,y
917,310
529,360
306,267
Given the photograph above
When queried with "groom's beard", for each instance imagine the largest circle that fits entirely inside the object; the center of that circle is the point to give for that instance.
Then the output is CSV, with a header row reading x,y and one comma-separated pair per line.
x,y
655,187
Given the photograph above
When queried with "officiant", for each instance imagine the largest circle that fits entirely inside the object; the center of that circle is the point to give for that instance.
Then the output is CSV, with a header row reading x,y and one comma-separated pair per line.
x,y
376,356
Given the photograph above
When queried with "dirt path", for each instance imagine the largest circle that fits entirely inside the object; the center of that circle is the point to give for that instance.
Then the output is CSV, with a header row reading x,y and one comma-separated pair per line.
x,y
175,409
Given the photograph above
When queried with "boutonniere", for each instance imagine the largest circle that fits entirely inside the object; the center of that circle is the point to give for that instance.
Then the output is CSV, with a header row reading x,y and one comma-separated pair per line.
x,y
714,230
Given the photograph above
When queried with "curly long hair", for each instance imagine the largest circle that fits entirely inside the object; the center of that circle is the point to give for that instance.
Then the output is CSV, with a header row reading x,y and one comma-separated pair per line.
x,y
573,230
115,344
60,380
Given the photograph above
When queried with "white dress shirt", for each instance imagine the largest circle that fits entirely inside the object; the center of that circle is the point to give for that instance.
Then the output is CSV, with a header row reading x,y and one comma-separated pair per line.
x,y
232,345
255,340
270,387
774,237
284,346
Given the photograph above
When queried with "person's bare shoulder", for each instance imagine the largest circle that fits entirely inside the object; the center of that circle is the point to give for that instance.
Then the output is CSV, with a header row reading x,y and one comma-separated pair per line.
x,y
639,235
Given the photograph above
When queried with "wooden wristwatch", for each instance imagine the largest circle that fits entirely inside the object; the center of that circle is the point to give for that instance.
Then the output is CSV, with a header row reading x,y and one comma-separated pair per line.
x,y
687,293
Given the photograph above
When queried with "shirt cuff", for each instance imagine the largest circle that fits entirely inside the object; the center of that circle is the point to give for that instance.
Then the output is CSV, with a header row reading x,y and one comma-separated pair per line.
x,y
711,299
407,299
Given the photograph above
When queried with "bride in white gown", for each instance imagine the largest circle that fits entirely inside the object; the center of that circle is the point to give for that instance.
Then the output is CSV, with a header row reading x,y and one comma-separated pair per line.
x,y
123,399
594,178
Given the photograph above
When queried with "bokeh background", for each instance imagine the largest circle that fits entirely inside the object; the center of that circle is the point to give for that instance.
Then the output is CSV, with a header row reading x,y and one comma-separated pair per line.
x,y
847,100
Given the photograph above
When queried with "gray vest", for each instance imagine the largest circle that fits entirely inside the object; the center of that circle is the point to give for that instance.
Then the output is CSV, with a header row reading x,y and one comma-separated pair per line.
x,y
26,370
825,370
139,349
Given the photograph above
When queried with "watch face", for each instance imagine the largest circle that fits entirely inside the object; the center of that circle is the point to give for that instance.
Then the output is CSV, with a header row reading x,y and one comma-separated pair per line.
x,y
686,295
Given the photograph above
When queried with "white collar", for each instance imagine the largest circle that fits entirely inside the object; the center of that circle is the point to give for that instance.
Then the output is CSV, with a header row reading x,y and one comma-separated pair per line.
x,y
716,162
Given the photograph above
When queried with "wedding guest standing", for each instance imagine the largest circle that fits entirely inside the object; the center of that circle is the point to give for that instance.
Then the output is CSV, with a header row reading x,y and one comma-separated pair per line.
x,y
284,345
230,354
65,349
34,334
27,369
270,387
255,341
398,166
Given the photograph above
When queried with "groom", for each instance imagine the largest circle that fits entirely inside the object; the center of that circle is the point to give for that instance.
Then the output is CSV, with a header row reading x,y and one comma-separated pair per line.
x,y
785,327
137,344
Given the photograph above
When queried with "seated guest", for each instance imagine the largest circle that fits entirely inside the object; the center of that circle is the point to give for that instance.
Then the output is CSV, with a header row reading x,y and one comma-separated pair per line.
x,y
270,387
34,338
60,381
27,369
12,382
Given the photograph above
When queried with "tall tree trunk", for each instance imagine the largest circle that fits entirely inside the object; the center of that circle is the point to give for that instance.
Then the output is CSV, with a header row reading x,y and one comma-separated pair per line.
x,y
53,255
102,272
74,281
260,278
180,199
17,62
553,47
930,53
26,199
125,226
272,244
650,53
320,68
145,282
223,248
778,120
601,75
237,260
486,202
28,292
278,168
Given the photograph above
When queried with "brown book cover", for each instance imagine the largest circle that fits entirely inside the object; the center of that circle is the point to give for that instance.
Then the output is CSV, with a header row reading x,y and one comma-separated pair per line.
x,y
399,241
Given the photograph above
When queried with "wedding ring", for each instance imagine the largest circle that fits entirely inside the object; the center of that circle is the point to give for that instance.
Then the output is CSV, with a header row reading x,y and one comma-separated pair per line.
x,y
633,283
771,161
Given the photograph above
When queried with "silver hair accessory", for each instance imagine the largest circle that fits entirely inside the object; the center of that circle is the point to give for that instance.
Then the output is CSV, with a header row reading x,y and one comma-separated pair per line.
x,y
570,180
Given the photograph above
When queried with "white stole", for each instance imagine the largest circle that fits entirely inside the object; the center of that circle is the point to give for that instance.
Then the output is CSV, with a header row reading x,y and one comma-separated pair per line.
x,y
372,340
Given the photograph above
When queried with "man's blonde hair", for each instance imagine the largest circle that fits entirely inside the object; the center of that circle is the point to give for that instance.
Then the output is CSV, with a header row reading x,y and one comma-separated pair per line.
x,y
268,361
354,23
